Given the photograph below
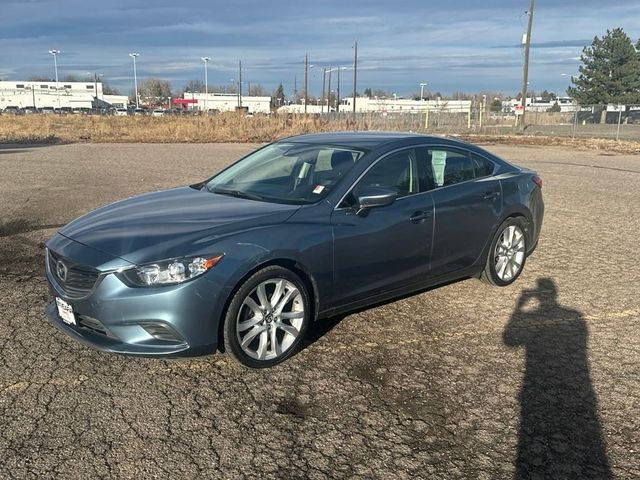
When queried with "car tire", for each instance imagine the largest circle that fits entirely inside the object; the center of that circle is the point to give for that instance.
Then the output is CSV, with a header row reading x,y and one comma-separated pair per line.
x,y
507,254
267,318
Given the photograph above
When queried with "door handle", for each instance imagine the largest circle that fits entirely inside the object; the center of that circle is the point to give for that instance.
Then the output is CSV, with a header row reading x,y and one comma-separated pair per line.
x,y
491,195
419,216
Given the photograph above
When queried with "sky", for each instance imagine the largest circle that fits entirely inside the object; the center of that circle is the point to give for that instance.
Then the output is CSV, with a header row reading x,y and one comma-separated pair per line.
x,y
452,45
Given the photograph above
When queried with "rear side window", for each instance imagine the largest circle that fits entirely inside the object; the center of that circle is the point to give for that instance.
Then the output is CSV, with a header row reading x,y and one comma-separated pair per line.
x,y
483,167
444,166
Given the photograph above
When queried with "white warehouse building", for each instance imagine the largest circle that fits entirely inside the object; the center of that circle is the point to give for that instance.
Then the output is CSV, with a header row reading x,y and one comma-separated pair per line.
x,y
227,102
404,105
36,94
386,106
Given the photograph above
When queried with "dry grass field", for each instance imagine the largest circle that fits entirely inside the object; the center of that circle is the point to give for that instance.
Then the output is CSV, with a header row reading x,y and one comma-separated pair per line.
x,y
171,129
233,128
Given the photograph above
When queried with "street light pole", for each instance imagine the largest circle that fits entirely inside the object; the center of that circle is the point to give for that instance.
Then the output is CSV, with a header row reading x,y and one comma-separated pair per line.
x,y
422,85
206,61
135,76
55,66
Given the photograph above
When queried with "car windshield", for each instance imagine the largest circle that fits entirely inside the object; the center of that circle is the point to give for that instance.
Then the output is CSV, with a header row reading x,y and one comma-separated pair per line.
x,y
287,173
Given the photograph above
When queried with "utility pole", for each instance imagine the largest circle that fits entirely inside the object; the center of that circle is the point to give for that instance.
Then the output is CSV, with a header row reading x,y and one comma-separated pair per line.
x,y
525,72
95,86
306,72
338,93
324,78
329,91
295,88
240,83
355,76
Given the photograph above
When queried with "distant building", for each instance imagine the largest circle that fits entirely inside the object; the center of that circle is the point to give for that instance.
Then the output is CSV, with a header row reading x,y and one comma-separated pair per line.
x,y
73,95
226,102
387,106
299,108
538,104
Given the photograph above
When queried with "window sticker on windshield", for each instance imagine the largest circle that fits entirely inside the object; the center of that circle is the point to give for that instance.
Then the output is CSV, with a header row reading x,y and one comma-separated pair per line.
x,y
318,189
438,163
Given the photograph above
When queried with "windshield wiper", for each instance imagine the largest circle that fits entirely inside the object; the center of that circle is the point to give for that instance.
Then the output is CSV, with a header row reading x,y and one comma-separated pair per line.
x,y
236,193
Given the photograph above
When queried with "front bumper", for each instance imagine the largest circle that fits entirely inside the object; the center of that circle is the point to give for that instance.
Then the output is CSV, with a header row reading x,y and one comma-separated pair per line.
x,y
111,345
178,320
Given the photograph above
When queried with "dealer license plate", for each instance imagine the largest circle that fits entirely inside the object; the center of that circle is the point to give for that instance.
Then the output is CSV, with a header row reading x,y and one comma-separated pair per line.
x,y
65,311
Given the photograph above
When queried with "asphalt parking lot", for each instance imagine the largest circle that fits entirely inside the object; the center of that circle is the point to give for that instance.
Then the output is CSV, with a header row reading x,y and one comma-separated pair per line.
x,y
538,380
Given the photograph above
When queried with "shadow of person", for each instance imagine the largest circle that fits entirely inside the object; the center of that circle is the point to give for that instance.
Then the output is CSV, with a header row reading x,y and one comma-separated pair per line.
x,y
560,434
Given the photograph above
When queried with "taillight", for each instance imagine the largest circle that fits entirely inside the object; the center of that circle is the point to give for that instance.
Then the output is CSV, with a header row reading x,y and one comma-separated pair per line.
x,y
537,180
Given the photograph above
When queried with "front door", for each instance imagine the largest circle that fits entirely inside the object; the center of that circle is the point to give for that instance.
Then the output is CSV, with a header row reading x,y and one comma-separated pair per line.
x,y
388,247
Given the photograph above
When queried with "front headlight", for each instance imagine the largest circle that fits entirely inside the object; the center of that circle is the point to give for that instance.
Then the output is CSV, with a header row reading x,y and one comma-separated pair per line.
x,y
169,272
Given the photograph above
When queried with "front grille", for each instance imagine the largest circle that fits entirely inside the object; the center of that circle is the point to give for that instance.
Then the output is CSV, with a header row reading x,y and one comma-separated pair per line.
x,y
75,280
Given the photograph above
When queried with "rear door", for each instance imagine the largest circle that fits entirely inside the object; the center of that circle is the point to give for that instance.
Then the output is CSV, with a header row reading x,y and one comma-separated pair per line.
x,y
388,247
467,202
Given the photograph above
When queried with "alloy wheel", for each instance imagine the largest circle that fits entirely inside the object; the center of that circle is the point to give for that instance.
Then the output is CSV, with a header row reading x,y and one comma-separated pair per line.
x,y
270,319
509,253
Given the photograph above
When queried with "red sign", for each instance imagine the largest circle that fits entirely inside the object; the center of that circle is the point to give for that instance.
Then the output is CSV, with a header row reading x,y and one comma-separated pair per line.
x,y
184,101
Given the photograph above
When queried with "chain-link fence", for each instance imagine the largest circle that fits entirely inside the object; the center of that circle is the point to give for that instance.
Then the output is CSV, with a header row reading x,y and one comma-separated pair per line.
x,y
619,122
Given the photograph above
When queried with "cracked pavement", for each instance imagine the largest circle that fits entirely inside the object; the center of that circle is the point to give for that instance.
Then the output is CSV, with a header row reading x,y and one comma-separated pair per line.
x,y
537,380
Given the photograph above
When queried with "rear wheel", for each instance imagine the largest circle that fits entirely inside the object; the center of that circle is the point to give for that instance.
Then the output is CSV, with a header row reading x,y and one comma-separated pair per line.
x,y
267,318
507,254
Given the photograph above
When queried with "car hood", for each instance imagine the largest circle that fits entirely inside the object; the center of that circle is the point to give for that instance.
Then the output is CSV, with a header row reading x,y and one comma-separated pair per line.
x,y
171,223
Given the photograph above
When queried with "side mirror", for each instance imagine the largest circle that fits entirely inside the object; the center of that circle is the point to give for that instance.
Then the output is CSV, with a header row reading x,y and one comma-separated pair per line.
x,y
372,197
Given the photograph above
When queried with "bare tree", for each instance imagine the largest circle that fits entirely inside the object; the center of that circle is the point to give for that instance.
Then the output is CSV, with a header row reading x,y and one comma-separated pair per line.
x,y
40,78
108,89
258,91
195,86
154,91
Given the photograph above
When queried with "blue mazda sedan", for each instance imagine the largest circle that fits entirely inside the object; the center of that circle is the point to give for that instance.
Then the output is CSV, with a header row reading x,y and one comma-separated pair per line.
x,y
302,229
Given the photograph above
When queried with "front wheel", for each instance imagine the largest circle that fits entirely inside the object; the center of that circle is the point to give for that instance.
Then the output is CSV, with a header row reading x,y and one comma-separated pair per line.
x,y
507,254
267,318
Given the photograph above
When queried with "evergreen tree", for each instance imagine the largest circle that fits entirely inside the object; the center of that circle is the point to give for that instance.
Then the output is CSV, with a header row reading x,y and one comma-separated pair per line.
x,y
610,71
278,96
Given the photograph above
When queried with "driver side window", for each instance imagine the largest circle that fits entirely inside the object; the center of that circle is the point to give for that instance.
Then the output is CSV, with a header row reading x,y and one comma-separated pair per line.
x,y
397,171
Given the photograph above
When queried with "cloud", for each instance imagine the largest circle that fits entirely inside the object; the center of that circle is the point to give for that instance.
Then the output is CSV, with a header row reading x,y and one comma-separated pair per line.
x,y
461,45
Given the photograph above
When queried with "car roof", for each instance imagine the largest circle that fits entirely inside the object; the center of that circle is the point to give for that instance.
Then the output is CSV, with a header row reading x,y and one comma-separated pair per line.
x,y
368,140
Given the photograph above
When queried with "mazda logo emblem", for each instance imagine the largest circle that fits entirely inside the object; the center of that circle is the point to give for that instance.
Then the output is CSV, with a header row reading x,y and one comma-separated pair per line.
x,y
61,270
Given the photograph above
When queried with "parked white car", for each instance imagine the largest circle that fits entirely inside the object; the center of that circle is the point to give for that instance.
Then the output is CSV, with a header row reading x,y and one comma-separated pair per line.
x,y
121,112
158,112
